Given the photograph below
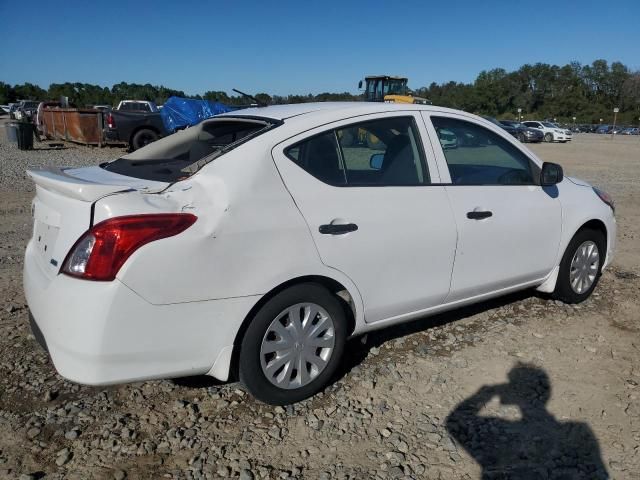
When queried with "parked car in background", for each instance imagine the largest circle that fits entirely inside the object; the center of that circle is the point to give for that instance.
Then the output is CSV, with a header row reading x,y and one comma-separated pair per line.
x,y
517,130
447,138
138,268
137,106
135,128
5,108
508,128
551,132
616,130
12,109
631,131
26,110
524,133
602,129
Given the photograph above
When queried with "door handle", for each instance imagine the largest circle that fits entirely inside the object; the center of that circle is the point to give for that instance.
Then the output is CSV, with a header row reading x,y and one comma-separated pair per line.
x,y
479,214
337,228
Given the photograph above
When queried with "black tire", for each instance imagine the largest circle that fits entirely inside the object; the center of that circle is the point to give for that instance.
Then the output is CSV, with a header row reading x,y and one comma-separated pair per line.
x,y
522,137
142,138
250,368
563,290
548,137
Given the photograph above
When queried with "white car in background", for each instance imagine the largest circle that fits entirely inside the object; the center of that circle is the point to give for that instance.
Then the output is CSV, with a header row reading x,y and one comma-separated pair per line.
x,y
551,131
253,244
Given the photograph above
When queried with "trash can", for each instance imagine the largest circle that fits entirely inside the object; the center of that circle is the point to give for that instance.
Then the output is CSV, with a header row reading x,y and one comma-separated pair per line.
x,y
25,136
11,132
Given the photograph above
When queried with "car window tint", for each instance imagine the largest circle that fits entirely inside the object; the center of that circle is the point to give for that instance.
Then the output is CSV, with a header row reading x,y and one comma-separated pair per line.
x,y
477,156
382,152
320,156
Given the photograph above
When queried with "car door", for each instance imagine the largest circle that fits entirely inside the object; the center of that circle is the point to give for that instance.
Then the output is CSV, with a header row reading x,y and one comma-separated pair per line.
x,y
365,189
508,225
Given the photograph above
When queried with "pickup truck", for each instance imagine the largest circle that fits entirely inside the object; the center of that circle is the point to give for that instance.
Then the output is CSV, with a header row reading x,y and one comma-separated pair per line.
x,y
136,128
137,106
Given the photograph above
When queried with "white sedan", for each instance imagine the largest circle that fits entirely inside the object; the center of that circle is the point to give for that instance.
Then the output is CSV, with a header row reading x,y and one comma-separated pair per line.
x,y
551,131
252,245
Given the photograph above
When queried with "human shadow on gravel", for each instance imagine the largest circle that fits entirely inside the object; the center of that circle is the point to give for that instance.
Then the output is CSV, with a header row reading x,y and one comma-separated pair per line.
x,y
535,446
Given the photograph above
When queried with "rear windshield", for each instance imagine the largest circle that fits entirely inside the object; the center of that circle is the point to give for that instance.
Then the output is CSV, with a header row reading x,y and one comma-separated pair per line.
x,y
183,153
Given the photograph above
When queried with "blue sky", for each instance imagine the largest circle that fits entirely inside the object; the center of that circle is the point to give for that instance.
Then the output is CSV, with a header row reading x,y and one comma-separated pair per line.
x,y
303,46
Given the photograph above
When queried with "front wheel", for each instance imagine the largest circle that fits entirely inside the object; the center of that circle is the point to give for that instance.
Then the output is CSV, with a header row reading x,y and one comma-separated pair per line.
x,y
580,267
548,137
522,138
293,345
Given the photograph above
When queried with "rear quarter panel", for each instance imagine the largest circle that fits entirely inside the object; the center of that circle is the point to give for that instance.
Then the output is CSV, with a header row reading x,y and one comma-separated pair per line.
x,y
248,239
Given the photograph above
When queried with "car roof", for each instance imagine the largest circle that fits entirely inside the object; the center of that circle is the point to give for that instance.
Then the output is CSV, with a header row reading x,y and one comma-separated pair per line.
x,y
283,112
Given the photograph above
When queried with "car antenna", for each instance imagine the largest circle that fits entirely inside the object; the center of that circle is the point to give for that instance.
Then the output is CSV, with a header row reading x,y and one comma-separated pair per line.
x,y
250,97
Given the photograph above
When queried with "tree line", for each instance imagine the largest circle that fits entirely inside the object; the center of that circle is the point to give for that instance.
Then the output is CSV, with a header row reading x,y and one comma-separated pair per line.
x,y
587,92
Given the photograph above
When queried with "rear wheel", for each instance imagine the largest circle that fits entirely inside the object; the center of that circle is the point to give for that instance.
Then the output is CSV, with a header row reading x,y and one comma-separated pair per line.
x,y
580,267
293,345
548,137
142,138
522,137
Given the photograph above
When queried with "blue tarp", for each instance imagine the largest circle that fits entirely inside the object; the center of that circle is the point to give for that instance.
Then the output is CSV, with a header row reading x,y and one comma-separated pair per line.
x,y
180,112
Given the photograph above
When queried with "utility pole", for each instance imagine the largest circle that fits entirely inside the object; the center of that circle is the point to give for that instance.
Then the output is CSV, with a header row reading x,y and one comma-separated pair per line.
x,y
615,115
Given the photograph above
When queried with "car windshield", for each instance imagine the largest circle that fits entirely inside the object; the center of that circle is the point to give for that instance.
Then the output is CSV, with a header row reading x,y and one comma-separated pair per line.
x,y
549,125
183,153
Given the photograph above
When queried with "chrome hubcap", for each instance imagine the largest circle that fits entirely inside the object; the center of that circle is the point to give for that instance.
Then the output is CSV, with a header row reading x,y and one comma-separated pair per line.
x,y
297,345
584,267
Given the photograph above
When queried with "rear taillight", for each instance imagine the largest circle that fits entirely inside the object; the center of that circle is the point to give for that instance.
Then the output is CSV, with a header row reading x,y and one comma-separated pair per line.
x,y
101,251
111,122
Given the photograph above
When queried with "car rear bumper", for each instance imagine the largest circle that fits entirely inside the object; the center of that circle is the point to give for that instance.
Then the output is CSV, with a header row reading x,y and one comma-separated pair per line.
x,y
101,333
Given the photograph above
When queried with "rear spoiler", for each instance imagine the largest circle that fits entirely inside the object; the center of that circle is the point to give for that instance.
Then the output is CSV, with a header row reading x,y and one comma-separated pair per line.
x,y
90,183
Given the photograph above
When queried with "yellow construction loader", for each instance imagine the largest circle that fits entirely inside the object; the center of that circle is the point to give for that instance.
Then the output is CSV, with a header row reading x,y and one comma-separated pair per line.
x,y
385,88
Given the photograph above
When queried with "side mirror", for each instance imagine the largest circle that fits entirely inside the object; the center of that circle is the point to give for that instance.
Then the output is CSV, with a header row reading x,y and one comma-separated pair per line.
x,y
375,162
551,174
360,85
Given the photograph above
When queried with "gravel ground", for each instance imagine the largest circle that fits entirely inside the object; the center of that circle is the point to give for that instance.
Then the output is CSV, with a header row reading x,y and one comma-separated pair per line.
x,y
518,384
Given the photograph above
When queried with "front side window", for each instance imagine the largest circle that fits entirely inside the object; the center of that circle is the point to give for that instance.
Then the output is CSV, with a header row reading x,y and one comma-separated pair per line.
x,y
383,152
478,156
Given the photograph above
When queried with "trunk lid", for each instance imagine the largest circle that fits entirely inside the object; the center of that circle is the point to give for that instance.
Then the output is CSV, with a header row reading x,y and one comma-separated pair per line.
x,y
63,207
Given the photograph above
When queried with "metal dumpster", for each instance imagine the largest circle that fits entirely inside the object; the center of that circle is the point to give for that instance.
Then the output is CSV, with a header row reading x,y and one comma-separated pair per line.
x,y
73,125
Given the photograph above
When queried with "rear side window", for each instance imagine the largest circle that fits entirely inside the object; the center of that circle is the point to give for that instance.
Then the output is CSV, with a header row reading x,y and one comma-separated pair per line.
x,y
385,152
477,156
